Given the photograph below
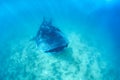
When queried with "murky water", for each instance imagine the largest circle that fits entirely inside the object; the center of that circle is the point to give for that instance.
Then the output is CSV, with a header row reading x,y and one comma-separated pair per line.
x,y
92,28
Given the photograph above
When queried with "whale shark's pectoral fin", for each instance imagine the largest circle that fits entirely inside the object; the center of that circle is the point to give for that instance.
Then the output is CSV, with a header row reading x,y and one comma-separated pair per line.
x,y
33,39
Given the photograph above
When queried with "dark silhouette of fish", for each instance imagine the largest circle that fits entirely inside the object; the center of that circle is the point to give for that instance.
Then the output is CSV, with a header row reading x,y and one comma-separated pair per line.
x,y
49,38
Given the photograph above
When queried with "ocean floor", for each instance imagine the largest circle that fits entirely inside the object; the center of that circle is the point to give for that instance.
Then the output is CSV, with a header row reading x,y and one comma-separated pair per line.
x,y
77,62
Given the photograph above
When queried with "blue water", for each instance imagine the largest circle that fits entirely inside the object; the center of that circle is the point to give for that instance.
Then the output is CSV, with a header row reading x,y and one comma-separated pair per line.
x,y
93,30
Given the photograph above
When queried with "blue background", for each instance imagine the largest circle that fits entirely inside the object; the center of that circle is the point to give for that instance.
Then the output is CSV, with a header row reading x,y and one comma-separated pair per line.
x,y
91,26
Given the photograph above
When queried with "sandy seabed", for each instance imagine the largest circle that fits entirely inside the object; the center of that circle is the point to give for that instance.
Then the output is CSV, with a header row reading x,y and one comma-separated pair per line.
x,y
77,62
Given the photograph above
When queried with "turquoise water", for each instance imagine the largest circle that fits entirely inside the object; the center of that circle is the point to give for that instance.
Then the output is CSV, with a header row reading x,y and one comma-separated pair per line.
x,y
92,28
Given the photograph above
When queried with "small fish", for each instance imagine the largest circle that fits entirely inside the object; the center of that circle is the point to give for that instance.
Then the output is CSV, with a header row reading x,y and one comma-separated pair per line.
x,y
49,38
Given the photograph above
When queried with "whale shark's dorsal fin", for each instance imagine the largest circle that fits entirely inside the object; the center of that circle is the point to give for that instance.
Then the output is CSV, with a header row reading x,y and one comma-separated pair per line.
x,y
46,22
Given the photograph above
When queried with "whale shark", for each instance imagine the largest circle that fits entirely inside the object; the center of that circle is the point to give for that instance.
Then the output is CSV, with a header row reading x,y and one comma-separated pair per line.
x,y
49,38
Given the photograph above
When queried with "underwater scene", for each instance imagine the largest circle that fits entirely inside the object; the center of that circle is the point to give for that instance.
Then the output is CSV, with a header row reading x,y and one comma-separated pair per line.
x,y
59,40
